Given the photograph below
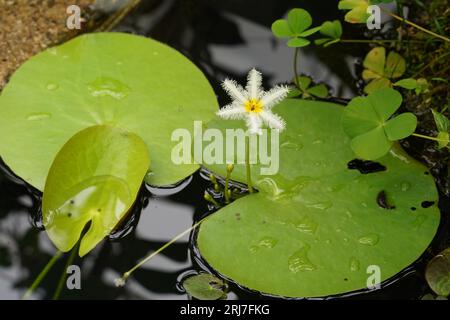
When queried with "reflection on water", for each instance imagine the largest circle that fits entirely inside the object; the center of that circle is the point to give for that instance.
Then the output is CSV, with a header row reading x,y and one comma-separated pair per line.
x,y
225,39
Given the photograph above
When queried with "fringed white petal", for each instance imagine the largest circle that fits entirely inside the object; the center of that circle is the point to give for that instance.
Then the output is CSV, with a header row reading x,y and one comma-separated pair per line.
x,y
232,111
235,91
254,81
272,120
274,96
254,124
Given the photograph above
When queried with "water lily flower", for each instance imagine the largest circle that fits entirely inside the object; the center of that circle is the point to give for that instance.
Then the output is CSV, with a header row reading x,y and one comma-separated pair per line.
x,y
254,105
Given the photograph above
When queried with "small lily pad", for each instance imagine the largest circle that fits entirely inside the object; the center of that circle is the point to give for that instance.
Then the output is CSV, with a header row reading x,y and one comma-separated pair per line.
x,y
438,273
205,286
94,178
368,122
443,127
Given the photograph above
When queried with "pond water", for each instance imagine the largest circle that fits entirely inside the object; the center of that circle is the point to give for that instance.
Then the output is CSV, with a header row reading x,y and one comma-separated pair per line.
x,y
225,39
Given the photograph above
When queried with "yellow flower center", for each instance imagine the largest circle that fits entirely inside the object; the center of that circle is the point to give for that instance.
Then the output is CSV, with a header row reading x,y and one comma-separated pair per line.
x,y
253,105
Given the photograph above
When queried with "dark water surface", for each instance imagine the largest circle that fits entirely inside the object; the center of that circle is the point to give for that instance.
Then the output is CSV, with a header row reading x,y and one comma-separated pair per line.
x,y
225,39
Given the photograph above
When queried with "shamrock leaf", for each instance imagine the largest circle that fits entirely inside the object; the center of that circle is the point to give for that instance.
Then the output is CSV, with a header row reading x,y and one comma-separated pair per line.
x,y
443,127
380,70
333,32
358,10
367,121
295,27
306,91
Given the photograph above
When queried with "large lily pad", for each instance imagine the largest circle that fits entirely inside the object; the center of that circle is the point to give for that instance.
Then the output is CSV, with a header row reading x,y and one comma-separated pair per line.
x,y
116,79
315,226
95,178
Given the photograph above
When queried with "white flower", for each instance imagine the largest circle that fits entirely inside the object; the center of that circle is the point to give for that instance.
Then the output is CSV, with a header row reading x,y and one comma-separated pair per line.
x,y
253,104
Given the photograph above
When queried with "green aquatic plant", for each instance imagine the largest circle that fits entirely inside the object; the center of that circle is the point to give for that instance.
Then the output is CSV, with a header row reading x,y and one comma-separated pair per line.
x,y
95,178
89,124
369,123
315,227
380,70
332,30
443,127
295,27
306,91
205,286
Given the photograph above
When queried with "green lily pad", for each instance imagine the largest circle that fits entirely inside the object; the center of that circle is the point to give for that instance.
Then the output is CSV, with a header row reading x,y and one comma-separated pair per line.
x,y
314,227
438,273
367,120
95,178
205,286
117,79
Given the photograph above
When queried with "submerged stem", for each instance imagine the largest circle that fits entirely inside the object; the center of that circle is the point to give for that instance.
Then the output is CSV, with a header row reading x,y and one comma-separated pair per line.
x,y
247,164
393,15
63,277
42,275
127,274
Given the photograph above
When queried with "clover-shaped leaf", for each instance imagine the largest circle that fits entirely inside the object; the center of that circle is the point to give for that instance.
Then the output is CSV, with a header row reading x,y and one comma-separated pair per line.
x,y
443,127
438,273
358,10
295,27
379,70
367,121
333,32
305,90
205,286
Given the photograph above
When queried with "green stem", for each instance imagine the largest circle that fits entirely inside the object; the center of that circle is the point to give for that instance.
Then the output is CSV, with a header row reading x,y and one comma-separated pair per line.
x,y
227,182
63,277
430,138
247,164
393,15
296,55
42,275
127,274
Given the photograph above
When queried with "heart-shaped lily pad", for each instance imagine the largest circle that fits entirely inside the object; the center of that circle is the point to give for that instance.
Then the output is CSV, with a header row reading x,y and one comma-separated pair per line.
x,y
118,79
315,227
95,178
